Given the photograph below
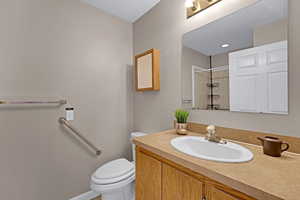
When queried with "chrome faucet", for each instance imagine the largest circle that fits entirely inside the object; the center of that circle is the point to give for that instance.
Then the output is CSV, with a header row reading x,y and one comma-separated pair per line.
x,y
212,135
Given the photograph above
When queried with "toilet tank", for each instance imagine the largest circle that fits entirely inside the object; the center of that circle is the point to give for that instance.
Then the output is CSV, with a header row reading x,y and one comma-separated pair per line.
x,y
133,135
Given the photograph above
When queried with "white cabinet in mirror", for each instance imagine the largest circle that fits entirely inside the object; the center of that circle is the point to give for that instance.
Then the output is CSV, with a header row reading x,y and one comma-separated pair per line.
x,y
259,79
239,62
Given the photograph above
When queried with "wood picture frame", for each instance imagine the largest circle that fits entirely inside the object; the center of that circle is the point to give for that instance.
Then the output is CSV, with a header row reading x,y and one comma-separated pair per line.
x,y
147,71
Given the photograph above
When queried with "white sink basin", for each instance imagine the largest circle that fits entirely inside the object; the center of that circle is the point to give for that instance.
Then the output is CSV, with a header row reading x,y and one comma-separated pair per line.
x,y
201,148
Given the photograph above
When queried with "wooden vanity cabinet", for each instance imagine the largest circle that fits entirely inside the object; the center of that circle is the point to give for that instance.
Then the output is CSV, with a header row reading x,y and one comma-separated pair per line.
x,y
160,179
148,177
177,185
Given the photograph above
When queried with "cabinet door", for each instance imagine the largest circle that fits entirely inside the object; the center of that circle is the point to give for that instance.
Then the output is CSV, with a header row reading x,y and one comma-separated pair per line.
x,y
259,79
148,177
276,72
277,94
147,70
179,186
245,80
214,192
244,97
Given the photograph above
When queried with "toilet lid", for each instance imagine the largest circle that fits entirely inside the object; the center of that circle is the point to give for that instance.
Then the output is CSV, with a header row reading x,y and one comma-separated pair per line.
x,y
114,169
114,181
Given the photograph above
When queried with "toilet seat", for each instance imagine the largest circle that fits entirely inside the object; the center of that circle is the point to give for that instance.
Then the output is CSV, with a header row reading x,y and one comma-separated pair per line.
x,y
113,172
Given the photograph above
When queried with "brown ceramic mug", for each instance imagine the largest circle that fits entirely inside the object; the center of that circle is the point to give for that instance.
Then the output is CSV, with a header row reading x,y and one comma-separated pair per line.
x,y
272,146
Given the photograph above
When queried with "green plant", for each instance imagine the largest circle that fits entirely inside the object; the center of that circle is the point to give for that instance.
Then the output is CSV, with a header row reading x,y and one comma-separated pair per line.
x,y
181,116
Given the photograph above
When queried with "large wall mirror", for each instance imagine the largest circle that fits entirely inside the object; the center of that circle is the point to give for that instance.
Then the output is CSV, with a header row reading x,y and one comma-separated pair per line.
x,y
239,62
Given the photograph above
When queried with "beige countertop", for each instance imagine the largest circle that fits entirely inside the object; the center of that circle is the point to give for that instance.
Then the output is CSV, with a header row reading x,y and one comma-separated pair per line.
x,y
264,178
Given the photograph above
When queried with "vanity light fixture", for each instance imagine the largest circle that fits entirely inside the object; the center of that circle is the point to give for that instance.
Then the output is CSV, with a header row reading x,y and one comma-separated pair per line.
x,y
195,6
225,45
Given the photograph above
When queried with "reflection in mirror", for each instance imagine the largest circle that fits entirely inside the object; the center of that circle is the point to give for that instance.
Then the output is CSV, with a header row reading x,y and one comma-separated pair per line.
x,y
239,62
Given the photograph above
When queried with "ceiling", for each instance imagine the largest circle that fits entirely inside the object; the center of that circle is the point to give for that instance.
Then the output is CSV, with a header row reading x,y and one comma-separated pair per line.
x,y
129,10
235,29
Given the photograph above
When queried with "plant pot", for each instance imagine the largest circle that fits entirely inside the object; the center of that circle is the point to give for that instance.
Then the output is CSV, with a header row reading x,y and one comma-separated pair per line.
x,y
181,128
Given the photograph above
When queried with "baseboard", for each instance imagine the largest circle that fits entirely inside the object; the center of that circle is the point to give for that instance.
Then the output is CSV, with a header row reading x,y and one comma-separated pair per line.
x,y
86,196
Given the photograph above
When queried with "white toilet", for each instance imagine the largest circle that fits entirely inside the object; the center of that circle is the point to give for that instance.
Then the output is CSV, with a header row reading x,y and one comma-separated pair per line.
x,y
115,179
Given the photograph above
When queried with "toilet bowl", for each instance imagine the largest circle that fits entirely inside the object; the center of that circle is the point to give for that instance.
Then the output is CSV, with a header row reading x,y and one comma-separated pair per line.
x,y
115,179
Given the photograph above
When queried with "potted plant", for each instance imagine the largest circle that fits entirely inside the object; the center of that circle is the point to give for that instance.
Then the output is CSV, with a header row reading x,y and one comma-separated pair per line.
x,y
181,121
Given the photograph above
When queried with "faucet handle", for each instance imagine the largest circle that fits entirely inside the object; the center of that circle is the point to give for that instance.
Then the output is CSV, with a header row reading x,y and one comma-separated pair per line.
x,y
211,129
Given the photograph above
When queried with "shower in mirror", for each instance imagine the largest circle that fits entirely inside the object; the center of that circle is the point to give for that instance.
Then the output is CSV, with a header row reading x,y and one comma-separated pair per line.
x,y
239,62
210,86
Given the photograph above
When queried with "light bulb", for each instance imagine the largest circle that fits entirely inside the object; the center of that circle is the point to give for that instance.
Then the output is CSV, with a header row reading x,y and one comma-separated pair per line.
x,y
189,3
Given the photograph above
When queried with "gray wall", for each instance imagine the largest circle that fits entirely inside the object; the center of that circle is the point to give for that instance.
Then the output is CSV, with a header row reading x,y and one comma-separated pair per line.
x,y
274,32
220,60
61,48
189,58
163,28
160,28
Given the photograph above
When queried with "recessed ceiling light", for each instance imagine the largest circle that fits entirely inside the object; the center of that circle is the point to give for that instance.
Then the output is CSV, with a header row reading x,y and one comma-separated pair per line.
x,y
225,45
